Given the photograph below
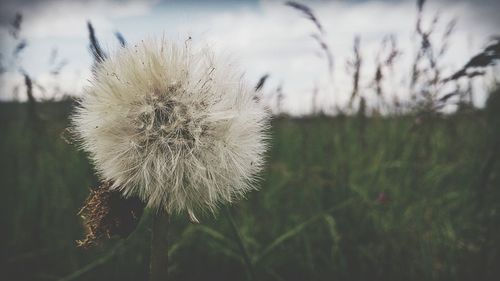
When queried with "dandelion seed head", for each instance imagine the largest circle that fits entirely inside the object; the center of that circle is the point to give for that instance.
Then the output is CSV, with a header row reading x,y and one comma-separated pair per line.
x,y
175,127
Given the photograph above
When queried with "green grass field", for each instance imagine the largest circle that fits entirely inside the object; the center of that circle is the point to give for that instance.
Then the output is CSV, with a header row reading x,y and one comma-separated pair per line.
x,y
345,198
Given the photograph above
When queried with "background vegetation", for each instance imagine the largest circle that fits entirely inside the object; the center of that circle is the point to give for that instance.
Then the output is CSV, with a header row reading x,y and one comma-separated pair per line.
x,y
412,197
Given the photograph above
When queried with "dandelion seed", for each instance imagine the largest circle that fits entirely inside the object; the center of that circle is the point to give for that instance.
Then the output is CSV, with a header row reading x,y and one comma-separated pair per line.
x,y
173,126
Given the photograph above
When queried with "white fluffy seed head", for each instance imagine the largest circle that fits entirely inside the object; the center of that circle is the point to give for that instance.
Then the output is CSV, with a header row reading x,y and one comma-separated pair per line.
x,y
173,126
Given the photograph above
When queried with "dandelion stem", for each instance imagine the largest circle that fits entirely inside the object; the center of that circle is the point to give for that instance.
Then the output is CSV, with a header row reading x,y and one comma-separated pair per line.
x,y
158,269
241,245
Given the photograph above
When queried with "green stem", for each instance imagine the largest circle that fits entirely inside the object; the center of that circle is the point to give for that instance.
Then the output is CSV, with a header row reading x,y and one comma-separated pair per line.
x,y
158,269
241,245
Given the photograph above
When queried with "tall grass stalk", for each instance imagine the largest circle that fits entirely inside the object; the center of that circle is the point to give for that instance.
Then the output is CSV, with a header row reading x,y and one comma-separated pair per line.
x,y
241,245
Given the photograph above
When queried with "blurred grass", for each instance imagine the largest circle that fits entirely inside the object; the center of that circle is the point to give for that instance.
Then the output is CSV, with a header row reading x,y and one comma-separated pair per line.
x,y
345,198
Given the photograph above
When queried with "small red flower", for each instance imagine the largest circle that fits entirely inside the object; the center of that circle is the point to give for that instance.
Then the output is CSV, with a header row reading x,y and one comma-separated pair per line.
x,y
382,198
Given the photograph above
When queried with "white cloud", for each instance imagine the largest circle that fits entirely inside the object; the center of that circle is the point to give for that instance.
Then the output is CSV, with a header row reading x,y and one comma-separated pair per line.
x,y
66,18
276,39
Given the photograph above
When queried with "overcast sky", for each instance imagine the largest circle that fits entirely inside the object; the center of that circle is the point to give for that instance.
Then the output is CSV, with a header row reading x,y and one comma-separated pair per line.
x,y
263,36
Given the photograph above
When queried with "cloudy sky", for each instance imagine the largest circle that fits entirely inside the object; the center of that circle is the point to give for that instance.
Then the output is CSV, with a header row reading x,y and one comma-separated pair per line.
x,y
262,36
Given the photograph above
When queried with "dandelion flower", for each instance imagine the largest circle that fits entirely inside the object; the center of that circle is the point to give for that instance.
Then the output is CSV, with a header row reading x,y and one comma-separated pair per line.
x,y
173,126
